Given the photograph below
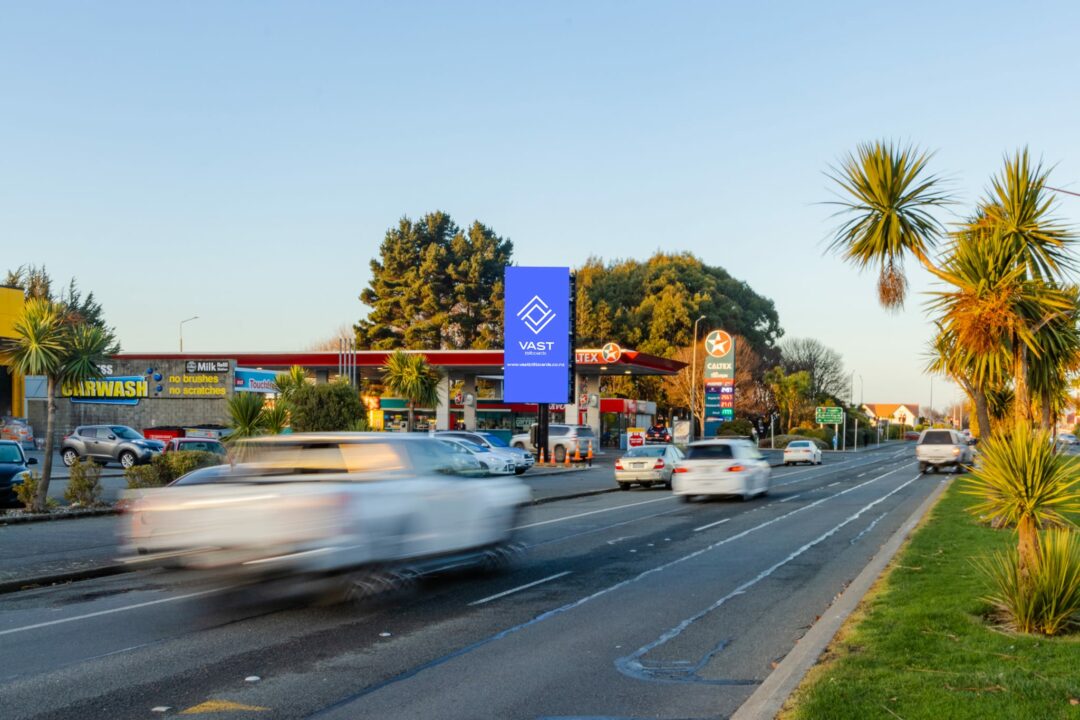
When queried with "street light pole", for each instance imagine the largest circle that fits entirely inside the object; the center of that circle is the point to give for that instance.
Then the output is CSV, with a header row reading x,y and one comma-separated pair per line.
x,y
196,317
693,380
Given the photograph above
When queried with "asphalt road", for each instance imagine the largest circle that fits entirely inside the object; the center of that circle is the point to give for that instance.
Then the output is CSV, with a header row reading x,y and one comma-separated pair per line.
x,y
627,605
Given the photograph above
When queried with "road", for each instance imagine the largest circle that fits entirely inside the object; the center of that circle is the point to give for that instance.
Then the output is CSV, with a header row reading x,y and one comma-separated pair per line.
x,y
627,605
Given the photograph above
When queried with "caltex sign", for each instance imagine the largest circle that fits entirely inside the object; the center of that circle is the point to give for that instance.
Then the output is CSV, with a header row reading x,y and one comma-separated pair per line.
x,y
536,329
719,380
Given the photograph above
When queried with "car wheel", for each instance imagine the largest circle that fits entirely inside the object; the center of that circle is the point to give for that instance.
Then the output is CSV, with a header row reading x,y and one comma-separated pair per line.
x,y
668,484
127,459
686,498
70,457
646,485
519,446
624,486
520,471
560,454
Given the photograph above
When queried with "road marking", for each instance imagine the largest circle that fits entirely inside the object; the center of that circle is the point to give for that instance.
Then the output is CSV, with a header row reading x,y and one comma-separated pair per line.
x,y
592,512
216,706
99,613
568,607
861,474
520,588
706,527
868,529
631,665
833,484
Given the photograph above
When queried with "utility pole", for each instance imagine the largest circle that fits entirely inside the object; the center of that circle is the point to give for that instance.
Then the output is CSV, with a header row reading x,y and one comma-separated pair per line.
x,y
693,381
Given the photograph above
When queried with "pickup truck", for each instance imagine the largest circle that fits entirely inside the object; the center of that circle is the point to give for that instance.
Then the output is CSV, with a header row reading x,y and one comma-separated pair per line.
x,y
312,507
940,448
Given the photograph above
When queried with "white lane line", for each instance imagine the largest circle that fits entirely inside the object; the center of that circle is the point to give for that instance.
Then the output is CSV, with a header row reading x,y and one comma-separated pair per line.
x,y
797,495
99,613
861,474
631,664
592,512
706,527
833,484
519,589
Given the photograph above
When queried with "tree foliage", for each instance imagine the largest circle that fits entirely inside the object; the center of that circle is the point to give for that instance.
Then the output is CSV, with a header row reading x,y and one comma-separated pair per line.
x,y
408,376
823,364
651,306
35,282
792,393
435,285
325,407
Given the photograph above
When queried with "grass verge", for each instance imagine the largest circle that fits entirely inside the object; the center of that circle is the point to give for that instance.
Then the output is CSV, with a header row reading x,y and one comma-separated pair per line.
x,y
918,645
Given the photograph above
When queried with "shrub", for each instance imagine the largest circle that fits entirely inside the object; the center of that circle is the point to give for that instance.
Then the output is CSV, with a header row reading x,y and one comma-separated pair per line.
x,y
1047,601
165,468
825,435
84,484
26,491
741,427
325,407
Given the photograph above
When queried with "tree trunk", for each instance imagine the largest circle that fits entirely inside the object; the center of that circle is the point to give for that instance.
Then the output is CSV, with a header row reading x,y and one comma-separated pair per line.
x,y
982,413
409,426
1046,411
1028,545
40,498
1021,393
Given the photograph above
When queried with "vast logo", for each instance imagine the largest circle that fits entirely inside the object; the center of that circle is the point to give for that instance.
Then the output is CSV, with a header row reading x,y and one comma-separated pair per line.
x,y
718,343
536,314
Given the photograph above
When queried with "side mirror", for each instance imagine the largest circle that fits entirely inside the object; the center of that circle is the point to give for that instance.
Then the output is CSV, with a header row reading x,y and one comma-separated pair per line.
x,y
112,437
31,461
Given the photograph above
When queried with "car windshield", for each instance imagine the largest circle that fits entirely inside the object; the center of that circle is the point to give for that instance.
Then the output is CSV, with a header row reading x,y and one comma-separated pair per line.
x,y
646,452
799,444
709,452
939,437
124,433
10,454
494,440
472,447
585,431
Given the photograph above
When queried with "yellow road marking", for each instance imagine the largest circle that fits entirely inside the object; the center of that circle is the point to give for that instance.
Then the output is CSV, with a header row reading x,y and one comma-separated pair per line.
x,y
212,706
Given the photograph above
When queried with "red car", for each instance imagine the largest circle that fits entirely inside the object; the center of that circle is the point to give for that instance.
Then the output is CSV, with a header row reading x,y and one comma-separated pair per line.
x,y
200,444
657,434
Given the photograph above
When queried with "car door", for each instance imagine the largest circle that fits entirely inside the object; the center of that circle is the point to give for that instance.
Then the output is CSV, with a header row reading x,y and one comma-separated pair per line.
x,y
89,437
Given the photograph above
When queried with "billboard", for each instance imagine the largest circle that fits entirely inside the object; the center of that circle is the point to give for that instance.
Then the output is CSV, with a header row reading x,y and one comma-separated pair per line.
x,y
536,335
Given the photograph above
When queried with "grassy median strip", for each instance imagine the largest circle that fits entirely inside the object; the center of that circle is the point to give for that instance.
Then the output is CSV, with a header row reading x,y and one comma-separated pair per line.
x,y
919,645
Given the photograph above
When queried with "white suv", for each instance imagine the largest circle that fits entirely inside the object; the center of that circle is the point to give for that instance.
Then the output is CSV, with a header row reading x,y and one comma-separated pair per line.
x,y
939,447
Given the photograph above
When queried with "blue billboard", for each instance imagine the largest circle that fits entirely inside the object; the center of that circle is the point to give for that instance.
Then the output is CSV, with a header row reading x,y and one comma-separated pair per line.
x,y
536,335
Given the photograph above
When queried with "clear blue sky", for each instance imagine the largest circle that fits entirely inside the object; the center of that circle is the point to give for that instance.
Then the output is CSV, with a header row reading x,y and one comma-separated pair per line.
x,y
241,161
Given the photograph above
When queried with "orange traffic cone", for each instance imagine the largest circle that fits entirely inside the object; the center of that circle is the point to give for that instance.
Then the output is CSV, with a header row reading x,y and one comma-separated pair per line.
x,y
577,453
566,459
589,455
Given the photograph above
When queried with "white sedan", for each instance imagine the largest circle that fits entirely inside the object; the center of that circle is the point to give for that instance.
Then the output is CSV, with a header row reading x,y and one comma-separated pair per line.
x,y
802,451
647,465
721,467
492,462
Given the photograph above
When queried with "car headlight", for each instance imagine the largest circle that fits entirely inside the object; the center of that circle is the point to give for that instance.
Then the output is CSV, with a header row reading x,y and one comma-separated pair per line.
x,y
21,477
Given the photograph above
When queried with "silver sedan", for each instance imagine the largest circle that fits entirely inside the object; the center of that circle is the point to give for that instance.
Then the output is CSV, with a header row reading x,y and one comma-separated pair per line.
x,y
648,465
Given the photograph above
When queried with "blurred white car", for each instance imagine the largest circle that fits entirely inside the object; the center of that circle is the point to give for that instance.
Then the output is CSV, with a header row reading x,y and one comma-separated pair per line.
x,y
493,442
318,506
1066,439
721,467
492,461
802,451
647,465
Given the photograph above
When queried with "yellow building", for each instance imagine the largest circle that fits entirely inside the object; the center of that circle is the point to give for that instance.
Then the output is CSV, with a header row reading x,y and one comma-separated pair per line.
x,y
11,384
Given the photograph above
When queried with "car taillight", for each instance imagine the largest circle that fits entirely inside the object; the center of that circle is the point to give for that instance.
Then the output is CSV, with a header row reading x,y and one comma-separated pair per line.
x,y
736,468
618,465
659,464
681,469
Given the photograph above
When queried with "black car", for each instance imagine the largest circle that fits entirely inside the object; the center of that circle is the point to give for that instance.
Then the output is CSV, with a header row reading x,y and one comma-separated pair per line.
x,y
13,464
658,434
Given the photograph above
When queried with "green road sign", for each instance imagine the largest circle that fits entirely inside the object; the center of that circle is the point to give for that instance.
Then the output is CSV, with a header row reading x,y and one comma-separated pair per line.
x,y
829,415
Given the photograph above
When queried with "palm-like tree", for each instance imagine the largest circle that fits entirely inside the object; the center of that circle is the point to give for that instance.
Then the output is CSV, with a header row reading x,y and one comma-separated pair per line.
x,y
972,372
246,417
1023,480
50,342
408,376
888,198
290,381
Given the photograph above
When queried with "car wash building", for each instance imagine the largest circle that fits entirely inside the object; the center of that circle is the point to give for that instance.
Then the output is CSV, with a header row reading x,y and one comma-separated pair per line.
x,y
190,392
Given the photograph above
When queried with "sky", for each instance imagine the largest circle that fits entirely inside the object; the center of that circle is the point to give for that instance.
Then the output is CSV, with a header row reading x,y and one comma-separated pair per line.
x,y
242,161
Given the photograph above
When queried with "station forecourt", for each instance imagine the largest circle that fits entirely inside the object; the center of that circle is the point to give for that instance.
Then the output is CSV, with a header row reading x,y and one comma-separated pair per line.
x,y
167,394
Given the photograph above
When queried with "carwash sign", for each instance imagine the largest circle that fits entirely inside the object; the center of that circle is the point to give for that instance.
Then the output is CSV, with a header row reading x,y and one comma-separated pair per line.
x,y
536,329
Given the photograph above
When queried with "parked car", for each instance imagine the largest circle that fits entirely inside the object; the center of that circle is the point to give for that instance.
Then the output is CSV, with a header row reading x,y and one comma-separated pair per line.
x,y
491,462
721,467
562,439
13,469
940,448
109,443
1066,439
326,509
195,444
17,430
524,459
658,433
802,451
647,466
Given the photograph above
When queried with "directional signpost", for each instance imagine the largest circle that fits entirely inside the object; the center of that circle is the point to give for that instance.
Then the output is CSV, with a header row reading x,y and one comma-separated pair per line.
x,y
830,415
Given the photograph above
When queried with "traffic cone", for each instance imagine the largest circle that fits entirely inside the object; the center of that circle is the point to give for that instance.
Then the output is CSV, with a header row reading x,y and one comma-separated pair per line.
x,y
589,455
566,459
577,453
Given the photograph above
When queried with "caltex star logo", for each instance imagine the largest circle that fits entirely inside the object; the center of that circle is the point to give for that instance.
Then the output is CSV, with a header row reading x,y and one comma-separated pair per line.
x,y
718,343
536,314
611,352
